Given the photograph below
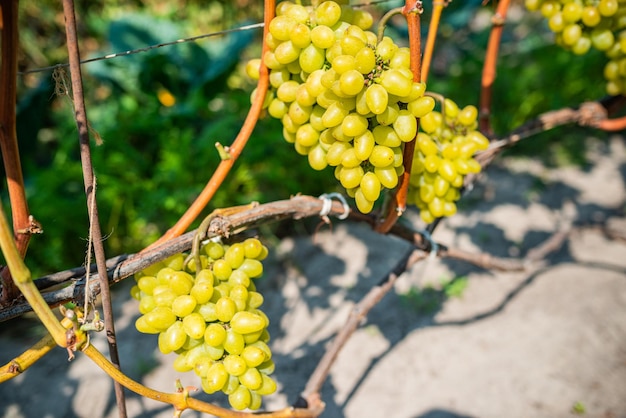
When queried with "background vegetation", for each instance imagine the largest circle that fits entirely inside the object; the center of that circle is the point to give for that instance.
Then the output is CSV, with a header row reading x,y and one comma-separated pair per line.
x,y
149,106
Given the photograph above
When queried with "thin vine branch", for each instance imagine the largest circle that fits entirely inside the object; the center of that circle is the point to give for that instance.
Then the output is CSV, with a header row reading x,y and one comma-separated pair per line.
x,y
23,224
587,114
298,207
182,400
80,114
433,29
489,67
412,10
235,149
23,280
358,313
19,364
611,125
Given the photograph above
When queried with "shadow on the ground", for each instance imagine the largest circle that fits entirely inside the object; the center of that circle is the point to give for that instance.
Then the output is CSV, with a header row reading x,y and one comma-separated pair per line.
x,y
512,188
319,266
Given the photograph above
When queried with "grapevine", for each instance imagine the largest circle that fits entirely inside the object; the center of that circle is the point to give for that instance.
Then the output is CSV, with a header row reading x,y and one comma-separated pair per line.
x,y
210,318
347,99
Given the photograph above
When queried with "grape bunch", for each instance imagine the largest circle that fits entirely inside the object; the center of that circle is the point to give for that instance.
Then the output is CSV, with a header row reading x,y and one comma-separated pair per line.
x,y
580,25
210,317
345,100
443,156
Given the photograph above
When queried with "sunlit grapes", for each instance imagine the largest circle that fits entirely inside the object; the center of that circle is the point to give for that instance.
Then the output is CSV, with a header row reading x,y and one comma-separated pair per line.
x,y
580,25
443,157
211,318
345,100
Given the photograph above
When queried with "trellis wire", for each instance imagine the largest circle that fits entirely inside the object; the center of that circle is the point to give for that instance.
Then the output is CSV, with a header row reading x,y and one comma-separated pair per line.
x,y
178,41
148,48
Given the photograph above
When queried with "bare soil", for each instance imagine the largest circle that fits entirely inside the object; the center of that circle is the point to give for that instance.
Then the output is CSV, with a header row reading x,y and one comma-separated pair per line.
x,y
547,342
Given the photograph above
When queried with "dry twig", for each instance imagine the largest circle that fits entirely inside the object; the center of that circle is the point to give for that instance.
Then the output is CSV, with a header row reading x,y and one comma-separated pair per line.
x,y
80,115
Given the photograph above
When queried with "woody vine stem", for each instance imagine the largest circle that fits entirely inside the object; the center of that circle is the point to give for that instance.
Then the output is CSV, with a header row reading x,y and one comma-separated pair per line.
x,y
67,333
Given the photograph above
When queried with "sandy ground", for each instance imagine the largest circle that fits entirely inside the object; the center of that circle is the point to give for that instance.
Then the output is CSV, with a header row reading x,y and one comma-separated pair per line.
x,y
526,344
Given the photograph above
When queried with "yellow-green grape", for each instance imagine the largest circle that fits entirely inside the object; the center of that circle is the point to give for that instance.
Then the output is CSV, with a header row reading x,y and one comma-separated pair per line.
x,y
381,156
234,342
370,186
268,386
386,136
255,400
255,299
180,363
351,82
251,378
405,125
160,318
235,254
351,177
252,267
225,308
214,353
238,277
147,284
207,311
216,378
135,292
183,305
221,269
174,262
215,334
202,291
202,366
235,365
253,356
389,115
377,98
421,106
194,325
144,327
214,250
396,83
252,248
181,283
327,13
222,290
173,338
247,322
387,176
146,304
240,398
323,37
364,204
231,386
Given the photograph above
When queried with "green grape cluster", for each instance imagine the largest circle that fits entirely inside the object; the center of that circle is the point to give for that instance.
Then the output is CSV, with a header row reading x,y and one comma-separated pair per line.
x,y
345,100
580,25
210,317
443,156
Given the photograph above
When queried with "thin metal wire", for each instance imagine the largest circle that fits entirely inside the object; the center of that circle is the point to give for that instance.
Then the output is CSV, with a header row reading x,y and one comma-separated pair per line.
x,y
178,41
148,48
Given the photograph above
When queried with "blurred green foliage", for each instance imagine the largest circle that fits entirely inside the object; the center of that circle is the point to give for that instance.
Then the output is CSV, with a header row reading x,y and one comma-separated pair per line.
x,y
160,112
